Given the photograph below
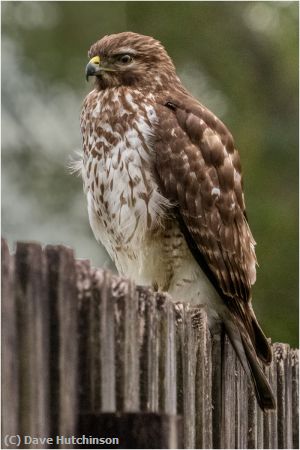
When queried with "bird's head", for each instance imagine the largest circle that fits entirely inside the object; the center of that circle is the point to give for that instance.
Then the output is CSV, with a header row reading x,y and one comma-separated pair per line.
x,y
130,59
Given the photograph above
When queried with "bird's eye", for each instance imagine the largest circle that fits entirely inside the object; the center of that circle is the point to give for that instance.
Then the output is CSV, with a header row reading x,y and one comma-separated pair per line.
x,y
125,59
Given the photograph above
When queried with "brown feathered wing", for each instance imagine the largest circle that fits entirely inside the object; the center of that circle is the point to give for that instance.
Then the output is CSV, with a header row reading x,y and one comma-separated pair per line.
x,y
199,170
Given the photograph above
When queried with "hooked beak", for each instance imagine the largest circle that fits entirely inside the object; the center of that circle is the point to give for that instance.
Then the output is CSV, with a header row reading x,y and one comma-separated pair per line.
x,y
94,68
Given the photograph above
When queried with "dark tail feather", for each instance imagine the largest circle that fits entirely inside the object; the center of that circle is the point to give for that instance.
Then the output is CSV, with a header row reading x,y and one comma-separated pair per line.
x,y
261,385
247,356
262,346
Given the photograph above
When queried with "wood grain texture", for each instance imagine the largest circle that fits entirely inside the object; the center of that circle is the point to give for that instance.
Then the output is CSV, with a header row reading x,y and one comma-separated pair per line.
x,y
281,356
86,342
83,347
102,294
124,300
10,350
167,358
149,349
217,410
203,388
295,397
270,419
189,373
241,407
228,394
32,304
62,298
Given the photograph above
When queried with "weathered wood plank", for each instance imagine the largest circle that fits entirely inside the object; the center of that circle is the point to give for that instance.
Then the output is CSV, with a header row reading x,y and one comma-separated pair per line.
x,y
85,342
241,409
124,299
134,430
131,350
89,329
217,336
167,354
289,398
149,350
104,336
63,343
171,380
228,394
33,339
189,356
252,417
270,417
260,427
295,397
10,351
203,387
179,361
280,353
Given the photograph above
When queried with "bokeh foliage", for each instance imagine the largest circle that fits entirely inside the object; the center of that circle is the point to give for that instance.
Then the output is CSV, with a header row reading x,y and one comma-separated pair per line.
x,y
238,58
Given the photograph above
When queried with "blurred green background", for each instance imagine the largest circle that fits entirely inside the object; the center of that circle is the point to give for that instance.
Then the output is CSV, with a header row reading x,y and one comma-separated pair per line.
x,y
239,58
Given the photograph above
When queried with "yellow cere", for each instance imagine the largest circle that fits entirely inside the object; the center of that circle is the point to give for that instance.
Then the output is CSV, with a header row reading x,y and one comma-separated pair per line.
x,y
95,60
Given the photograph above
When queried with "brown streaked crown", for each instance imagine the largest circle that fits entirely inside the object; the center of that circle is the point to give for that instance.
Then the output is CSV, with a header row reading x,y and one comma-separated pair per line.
x,y
151,66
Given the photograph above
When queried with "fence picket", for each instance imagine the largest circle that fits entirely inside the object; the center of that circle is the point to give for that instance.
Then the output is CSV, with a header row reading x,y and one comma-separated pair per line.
x,y
295,397
32,330
63,345
10,351
203,426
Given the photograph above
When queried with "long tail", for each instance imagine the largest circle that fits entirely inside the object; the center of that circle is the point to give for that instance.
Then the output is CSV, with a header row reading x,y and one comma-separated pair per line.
x,y
249,360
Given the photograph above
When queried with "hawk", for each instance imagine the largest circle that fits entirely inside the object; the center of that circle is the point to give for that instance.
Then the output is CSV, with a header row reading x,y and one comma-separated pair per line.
x,y
164,191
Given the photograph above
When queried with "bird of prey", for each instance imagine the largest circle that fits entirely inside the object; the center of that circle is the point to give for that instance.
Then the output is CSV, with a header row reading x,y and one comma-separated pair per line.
x,y
164,190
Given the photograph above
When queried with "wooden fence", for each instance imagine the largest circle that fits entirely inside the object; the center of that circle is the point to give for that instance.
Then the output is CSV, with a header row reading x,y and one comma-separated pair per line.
x,y
88,353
